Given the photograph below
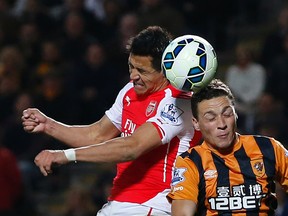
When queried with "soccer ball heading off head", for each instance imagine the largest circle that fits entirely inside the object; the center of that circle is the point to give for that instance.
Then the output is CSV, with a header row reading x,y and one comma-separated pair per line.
x,y
189,62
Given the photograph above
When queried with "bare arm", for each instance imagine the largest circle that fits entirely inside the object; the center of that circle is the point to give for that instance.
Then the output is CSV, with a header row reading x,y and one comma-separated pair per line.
x,y
121,149
74,136
183,208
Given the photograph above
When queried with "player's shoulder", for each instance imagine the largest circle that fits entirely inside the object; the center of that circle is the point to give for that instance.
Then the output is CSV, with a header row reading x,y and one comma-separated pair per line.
x,y
260,140
248,138
198,149
178,93
128,86
126,89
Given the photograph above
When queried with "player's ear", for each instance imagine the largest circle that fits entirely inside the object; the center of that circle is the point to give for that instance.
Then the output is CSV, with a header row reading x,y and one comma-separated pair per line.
x,y
195,124
235,114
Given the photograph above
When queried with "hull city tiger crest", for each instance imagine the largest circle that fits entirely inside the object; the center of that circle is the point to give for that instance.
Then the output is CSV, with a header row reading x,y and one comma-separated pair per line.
x,y
150,108
258,167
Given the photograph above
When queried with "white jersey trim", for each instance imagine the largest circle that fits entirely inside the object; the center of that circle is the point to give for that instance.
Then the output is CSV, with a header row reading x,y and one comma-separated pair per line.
x,y
115,112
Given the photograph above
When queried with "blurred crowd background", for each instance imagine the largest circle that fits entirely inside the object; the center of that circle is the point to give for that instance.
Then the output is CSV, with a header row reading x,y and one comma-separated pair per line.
x,y
68,58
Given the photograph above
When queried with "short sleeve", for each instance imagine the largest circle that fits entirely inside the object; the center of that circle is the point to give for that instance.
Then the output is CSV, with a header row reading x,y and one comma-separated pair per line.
x,y
173,118
281,164
115,112
185,181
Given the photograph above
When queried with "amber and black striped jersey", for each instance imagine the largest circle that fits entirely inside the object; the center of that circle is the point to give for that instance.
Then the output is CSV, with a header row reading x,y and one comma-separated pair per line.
x,y
239,183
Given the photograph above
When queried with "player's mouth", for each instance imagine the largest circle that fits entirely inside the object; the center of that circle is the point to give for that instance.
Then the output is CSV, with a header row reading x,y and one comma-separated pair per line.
x,y
138,85
223,136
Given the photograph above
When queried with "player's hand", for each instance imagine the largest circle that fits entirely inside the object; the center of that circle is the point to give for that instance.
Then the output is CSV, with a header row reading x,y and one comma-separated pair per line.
x,y
47,158
33,120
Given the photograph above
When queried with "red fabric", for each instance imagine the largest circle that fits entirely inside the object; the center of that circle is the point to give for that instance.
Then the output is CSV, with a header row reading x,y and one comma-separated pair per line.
x,y
10,179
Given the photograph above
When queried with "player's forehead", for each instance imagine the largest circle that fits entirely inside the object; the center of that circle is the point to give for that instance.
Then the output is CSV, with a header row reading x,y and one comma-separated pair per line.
x,y
138,61
215,105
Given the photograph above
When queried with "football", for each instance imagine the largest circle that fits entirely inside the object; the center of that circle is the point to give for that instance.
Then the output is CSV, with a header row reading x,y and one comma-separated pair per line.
x,y
189,62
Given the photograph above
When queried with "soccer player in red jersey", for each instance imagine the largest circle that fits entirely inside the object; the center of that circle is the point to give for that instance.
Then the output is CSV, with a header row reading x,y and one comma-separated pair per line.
x,y
229,173
153,120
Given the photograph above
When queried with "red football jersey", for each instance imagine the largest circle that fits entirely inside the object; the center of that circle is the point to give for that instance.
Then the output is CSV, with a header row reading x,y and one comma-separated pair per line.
x,y
147,179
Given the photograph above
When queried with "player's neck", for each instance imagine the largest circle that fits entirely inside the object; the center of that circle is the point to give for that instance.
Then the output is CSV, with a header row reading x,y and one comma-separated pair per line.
x,y
163,85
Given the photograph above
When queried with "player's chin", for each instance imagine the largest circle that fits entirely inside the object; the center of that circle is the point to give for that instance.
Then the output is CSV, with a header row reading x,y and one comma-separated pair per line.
x,y
140,89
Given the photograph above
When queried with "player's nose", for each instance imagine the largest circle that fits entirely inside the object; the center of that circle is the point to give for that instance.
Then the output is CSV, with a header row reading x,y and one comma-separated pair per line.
x,y
134,74
221,123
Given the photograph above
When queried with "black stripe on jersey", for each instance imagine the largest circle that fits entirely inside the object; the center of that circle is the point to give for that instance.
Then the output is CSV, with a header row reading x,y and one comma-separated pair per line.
x,y
222,170
268,152
269,161
184,154
223,177
247,172
195,157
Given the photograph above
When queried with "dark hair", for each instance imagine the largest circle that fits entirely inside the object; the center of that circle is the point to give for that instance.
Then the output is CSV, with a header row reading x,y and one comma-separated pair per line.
x,y
216,88
151,41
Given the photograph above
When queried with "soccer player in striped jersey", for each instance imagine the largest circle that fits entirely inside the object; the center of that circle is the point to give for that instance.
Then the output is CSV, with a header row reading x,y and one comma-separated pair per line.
x,y
229,173
143,132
